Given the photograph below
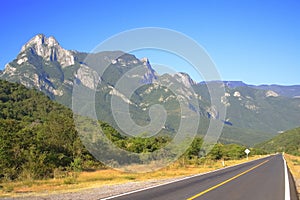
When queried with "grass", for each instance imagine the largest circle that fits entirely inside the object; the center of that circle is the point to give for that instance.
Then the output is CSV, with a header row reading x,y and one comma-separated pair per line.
x,y
294,166
84,180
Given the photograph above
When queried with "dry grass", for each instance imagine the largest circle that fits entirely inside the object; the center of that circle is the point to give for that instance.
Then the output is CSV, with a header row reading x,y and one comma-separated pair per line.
x,y
84,180
294,166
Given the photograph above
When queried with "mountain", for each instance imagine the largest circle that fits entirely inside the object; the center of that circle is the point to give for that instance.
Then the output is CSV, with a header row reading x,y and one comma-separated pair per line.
x,y
254,114
258,109
288,141
292,91
229,84
42,63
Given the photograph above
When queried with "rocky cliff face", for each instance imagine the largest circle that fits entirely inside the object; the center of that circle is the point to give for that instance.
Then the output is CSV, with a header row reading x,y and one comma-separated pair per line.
x,y
150,74
185,79
39,64
43,64
49,49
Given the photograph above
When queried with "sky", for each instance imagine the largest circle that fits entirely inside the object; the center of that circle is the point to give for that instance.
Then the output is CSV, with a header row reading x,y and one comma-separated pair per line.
x,y
254,41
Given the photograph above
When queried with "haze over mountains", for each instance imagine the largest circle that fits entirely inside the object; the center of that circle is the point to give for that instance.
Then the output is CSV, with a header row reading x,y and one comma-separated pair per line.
x,y
254,113
287,91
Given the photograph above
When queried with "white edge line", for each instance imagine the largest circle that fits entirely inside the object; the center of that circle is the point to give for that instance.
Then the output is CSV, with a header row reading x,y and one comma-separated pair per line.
x,y
174,181
287,195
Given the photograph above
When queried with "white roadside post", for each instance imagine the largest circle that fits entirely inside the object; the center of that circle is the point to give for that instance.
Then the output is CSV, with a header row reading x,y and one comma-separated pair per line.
x,y
247,151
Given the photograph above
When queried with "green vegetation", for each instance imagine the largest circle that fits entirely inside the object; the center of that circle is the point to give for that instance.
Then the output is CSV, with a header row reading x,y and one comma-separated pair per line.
x,y
288,142
219,151
36,134
38,139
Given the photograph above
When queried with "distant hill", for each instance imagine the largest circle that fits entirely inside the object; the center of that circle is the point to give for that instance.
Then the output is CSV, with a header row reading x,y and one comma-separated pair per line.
x,y
291,91
288,141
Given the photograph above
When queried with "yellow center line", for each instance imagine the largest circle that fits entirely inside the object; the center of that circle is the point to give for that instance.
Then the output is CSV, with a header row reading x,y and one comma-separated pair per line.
x,y
224,182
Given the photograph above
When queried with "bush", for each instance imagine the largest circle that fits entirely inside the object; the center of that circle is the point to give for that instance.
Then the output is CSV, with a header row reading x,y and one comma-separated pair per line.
x,y
76,165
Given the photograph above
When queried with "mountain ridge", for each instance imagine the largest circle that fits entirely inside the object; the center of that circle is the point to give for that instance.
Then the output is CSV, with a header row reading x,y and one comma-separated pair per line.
x,y
43,64
43,45
292,91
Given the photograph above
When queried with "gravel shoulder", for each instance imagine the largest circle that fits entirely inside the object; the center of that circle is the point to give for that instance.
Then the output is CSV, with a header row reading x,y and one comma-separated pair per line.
x,y
97,193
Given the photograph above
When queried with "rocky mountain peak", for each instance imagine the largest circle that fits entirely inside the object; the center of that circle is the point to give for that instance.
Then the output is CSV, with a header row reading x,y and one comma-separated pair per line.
x,y
150,74
49,49
185,79
271,93
145,61
39,41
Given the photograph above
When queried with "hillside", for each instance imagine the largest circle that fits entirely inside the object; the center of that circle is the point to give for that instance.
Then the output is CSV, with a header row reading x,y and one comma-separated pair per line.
x,y
38,139
37,135
288,142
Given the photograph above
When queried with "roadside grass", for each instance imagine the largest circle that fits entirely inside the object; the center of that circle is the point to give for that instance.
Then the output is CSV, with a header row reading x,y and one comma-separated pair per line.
x,y
294,166
77,181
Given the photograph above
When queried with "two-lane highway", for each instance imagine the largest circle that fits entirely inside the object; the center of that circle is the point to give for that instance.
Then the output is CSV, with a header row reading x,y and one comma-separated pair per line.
x,y
262,179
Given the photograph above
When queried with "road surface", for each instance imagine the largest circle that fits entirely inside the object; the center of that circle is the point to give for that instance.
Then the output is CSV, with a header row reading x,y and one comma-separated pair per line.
x,y
262,179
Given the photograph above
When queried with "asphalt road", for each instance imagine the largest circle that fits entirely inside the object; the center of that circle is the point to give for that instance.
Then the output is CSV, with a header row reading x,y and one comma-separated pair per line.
x,y
262,179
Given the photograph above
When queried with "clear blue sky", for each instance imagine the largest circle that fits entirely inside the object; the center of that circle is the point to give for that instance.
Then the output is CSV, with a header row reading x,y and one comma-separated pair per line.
x,y
253,41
